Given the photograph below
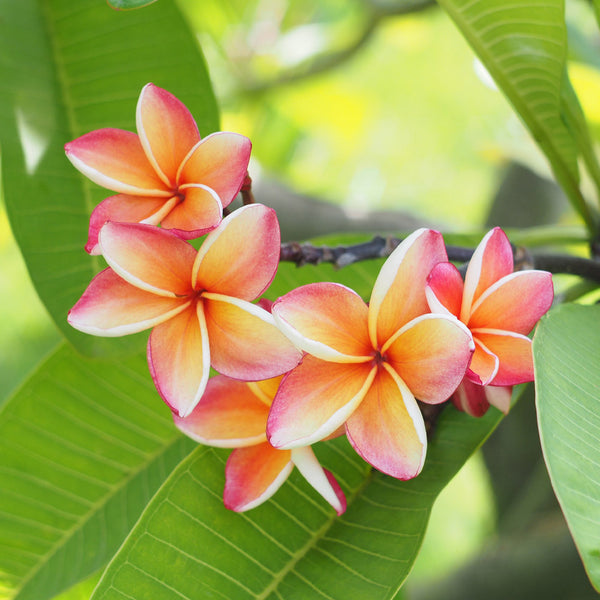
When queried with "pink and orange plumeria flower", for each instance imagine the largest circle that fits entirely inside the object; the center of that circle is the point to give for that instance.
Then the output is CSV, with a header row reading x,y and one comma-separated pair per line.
x,y
233,414
198,302
500,307
166,174
366,364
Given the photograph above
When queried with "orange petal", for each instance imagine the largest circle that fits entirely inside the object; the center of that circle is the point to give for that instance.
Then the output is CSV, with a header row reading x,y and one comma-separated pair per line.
x,y
514,354
240,257
148,257
112,307
431,355
321,480
167,131
219,161
244,341
492,260
254,474
484,364
115,159
228,416
399,292
124,209
314,399
198,213
327,320
387,429
265,389
444,290
179,360
514,303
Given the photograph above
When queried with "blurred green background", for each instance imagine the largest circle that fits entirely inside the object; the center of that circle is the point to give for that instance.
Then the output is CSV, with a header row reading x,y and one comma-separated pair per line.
x,y
369,115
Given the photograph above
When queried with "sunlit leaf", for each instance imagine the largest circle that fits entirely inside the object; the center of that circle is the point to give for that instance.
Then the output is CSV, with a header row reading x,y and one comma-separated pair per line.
x,y
523,47
294,547
566,353
83,446
67,68
129,4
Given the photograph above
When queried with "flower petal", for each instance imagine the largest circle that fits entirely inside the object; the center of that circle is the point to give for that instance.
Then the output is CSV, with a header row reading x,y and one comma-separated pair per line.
x,y
179,360
122,208
265,389
112,307
492,260
219,161
228,416
431,355
115,159
314,399
323,481
167,131
244,340
514,354
470,398
399,292
484,364
197,214
444,290
514,303
254,474
387,429
148,257
327,320
240,257
499,396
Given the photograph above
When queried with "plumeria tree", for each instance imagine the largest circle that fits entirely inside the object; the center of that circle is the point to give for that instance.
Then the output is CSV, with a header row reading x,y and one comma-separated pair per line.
x,y
225,414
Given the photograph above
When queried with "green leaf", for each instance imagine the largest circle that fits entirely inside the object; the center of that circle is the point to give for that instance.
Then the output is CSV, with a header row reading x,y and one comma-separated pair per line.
x,y
187,546
83,446
67,68
566,349
524,48
129,4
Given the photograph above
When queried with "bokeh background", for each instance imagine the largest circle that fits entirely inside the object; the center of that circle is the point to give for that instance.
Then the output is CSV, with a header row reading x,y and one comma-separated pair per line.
x,y
369,115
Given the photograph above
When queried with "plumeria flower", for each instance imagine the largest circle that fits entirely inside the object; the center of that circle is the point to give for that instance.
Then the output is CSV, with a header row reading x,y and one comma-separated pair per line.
x,y
233,414
500,307
165,174
198,302
366,364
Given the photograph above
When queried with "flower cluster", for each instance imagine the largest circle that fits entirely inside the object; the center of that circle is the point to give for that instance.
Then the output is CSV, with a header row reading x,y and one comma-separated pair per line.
x,y
317,363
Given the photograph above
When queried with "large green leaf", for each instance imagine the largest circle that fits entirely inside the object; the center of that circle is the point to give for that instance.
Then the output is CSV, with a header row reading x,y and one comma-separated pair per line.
x,y
67,68
566,354
524,48
187,546
83,446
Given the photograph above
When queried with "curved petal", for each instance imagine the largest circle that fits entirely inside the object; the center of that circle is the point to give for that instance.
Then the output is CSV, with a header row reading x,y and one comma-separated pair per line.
x,y
167,131
265,389
228,416
327,320
499,396
514,354
514,303
321,480
240,257
199,212
219,161
387,429
431,355
484,364
244,340
148,257
492,260
470,398
115,159
399,292
179,360
254,474
124,209
444,289
314,399
111,307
